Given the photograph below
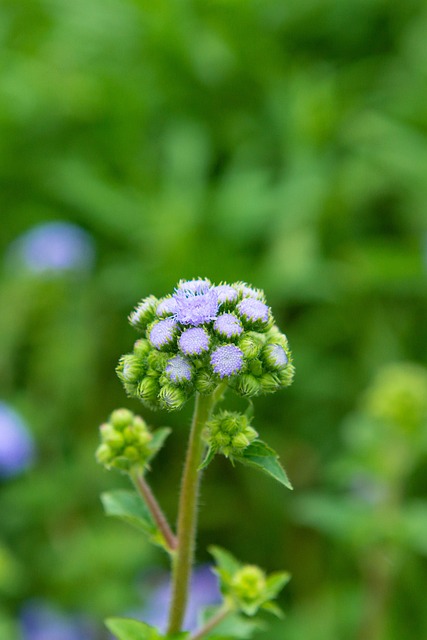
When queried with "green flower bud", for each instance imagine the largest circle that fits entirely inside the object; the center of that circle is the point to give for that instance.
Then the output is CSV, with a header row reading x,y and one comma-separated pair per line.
x,y
286,376
115,440
205,382
172,397
249,584
131,368
121,418
104,454
144,313
247,385
142,348
148,389
255,367
269,383
157,361
251,344
229,433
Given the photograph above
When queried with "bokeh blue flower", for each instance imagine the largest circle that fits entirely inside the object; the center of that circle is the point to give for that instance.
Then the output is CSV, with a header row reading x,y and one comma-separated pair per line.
x,y
16,443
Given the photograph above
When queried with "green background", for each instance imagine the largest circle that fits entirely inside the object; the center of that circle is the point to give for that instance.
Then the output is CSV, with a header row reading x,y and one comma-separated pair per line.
x,y
280,142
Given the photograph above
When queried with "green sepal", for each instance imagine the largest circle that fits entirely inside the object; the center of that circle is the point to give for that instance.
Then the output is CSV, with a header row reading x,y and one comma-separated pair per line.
x,y
275,583
157,441
129,507
274,609
260,456
128,629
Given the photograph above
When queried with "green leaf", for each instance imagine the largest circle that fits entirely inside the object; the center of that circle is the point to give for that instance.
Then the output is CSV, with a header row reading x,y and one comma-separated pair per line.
x,y
129,507
275,583
158,440
260,456
234,627
225,561
210,454
273,608
127,629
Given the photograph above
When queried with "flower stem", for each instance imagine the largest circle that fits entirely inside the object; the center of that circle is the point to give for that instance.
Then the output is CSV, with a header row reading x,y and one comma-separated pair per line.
x,y
187,514
219,616
155,510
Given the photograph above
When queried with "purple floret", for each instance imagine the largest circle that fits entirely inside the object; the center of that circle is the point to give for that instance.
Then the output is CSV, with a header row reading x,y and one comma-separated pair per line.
x,y
198,285
162,333
227,360
226,293
166,307
196,308
194,341
179,369
228,325
253,310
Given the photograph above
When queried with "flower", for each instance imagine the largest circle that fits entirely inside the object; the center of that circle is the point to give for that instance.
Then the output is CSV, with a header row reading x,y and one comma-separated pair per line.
x,y
253,310
195,307
227,360
228,326
226,293
41,621
16,443
204,592
193,341
53,247
275,356
166,307
179,369
162,332
198,285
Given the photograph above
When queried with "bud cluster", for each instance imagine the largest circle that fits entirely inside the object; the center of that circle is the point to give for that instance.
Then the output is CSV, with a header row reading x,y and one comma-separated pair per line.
x,y
125,441
202,335
248,584
229,433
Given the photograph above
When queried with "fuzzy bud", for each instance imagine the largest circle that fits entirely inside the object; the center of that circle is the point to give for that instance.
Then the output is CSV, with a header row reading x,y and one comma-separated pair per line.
x,y
125,441
148,389
172,397
251,344
144,313
249,584
229,433
248,385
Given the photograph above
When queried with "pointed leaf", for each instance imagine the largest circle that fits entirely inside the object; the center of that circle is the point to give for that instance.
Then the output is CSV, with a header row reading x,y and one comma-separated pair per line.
x,y
129,507
233,627
210,454
225,560
127,629
262,457
275,583
273,608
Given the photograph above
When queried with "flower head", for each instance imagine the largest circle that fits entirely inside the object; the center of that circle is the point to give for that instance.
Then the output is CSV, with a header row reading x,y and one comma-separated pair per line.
x,y
227,360
275,356
226,293
194,341
162,333
198,285
178,369
166,307
228,326
196,307
253,310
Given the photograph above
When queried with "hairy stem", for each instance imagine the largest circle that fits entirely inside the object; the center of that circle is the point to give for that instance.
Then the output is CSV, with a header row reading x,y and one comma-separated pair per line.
x,y
187,514
155,510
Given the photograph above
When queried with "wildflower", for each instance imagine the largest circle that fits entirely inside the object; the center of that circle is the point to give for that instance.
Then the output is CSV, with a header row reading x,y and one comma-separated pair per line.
x,y
179,369
193,341
226,293
253,310
162,333
275,356
227,360
53,247
16,443
196,307
144,313
166,307
228,326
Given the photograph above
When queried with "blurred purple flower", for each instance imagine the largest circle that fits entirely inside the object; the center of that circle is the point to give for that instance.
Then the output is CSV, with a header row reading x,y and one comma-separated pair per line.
x,y
53,247
41,621
16,443
204,592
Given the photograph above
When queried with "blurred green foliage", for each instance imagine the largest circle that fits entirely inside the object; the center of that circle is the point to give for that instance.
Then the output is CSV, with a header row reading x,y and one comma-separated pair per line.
x,y
282,143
